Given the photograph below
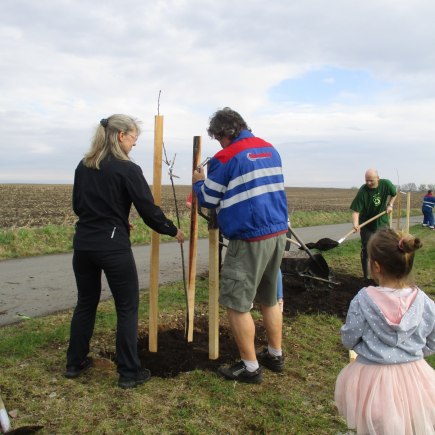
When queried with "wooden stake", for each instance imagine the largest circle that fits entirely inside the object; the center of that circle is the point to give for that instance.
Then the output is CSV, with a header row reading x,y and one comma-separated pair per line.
x,y
213,287
399,210
155,237
408,210
193,243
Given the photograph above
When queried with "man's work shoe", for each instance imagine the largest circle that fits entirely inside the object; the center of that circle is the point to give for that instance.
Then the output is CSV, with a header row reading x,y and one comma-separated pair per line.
x,y
274,363
74,371
130,382
238,372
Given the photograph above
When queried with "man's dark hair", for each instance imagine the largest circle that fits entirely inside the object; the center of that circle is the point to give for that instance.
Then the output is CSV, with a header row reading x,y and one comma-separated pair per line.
x,y
226,123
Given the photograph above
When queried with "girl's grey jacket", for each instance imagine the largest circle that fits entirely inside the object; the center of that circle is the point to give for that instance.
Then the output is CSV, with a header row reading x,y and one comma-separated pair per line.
x,y
377,341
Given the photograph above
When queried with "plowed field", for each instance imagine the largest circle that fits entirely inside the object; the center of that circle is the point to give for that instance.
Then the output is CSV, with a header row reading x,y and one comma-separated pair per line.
x,y
33,205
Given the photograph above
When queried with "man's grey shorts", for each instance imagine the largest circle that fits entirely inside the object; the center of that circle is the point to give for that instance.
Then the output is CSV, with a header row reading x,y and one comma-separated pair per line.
x,y
249,272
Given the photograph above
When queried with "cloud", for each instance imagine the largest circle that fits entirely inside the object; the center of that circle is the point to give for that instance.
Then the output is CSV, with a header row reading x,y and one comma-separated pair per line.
x,y
337,87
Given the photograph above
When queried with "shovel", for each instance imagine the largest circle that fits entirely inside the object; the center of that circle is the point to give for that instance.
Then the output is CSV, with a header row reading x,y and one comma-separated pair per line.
x,y
5,424
317,260
325,244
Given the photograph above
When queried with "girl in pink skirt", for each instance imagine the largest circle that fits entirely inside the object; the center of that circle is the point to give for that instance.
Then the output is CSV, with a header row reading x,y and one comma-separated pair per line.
x,y
390,388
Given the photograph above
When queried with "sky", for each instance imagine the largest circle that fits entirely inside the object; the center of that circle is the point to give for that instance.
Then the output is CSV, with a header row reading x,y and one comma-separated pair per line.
x,y
337,87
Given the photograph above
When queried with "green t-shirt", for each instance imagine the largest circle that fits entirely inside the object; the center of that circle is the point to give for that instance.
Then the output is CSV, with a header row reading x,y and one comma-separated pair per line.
x,y
370,202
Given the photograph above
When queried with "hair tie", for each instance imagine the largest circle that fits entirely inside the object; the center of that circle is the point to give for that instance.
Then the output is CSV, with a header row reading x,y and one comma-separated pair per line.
x,y
400,245
104,122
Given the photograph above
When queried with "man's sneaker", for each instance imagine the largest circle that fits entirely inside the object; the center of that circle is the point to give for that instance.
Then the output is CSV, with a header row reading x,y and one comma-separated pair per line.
x,y
74,371
424,225
238,372
130,382
274,363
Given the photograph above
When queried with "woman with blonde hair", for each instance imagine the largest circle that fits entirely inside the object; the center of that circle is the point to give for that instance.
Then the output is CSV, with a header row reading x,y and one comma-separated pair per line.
x,y
106,184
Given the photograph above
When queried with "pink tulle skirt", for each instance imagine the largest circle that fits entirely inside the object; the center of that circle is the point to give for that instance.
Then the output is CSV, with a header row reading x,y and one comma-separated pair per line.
x,y
396,399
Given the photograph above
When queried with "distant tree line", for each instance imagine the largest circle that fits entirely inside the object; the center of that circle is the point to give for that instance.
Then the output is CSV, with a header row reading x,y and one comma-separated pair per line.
x,y
412,187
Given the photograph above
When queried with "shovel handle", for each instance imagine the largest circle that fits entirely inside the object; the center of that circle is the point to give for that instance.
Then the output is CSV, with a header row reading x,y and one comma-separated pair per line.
x,y
302,244
362,225
293,241
5,423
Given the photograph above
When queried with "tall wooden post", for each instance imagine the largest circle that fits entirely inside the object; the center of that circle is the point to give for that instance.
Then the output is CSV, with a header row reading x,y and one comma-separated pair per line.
x,y
399,210
213,287
155,237
408,210
193,243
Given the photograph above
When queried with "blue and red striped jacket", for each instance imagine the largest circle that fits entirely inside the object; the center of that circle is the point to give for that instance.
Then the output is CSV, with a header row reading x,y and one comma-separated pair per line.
x,y
245,185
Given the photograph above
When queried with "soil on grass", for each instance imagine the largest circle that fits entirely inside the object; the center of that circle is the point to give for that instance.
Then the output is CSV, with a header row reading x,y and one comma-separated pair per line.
x,y
175,355
26,205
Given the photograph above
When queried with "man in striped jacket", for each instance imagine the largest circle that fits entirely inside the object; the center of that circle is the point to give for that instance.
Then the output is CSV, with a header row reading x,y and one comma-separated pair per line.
x,y
245,185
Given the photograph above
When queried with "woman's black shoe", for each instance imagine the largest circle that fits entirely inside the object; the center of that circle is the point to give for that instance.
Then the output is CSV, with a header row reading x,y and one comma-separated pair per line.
x,y
74,371
141,377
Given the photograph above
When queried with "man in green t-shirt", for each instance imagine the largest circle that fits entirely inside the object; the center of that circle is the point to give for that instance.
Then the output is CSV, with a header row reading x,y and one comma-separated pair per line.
x,y
373,197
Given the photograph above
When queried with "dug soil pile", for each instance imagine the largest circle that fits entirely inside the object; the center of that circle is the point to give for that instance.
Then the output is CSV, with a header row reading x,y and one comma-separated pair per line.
x,y
175,355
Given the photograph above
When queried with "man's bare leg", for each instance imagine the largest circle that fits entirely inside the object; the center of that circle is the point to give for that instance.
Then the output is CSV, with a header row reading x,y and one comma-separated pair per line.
x,y
272,320
243,329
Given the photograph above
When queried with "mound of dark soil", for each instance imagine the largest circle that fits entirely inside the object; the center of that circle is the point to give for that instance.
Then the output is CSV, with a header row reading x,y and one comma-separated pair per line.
x,y
175,355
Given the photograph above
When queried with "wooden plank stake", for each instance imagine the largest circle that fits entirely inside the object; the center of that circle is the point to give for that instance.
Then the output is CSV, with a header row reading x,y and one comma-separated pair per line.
x,y
408,210
399,209
155,237
193,243
213,287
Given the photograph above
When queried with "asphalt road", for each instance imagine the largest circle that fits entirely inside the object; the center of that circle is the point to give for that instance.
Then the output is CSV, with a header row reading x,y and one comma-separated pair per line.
x,y
38,286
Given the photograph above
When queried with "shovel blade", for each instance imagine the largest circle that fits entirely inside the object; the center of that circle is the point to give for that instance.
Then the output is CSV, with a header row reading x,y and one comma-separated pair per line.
x,y
324,244
25,430
319,267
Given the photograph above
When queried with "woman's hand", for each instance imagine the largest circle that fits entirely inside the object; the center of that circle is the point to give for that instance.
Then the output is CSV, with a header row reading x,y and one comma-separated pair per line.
x,y
180,236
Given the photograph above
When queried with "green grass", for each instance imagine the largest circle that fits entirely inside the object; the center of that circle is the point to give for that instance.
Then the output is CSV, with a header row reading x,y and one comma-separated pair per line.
x,y
298,401
199,402
346,259
55,239
313,218
27,242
